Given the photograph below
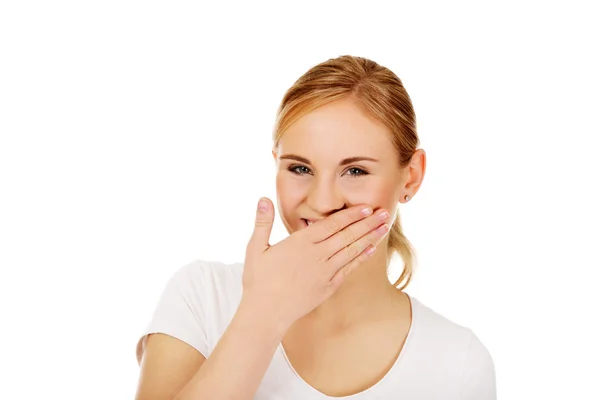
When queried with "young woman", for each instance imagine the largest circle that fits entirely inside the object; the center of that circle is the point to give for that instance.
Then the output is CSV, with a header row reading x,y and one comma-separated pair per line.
x,y
315,316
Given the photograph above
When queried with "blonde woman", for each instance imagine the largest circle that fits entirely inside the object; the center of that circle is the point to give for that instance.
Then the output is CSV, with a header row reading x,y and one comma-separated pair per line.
x,y
315,316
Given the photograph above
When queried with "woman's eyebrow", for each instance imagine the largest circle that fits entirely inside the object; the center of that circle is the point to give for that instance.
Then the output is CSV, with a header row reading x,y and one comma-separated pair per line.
x,y
345,161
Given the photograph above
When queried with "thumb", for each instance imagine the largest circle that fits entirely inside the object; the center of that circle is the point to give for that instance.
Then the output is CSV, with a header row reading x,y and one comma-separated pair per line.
x,y
259,241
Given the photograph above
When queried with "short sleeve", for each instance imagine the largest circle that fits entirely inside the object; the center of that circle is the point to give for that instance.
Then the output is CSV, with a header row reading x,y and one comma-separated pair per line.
x,y
177,314
479,375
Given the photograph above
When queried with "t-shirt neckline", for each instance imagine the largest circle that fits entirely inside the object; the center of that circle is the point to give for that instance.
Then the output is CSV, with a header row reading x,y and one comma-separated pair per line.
x,y
372,390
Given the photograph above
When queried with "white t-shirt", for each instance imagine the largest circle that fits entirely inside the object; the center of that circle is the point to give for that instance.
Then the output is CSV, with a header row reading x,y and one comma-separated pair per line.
x,y
440,359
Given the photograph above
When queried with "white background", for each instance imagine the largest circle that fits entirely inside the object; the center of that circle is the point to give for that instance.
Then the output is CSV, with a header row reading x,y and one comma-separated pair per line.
x,y
135,138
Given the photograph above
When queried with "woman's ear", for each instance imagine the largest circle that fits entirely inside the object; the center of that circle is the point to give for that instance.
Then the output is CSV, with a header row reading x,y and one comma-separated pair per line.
x,y
415,173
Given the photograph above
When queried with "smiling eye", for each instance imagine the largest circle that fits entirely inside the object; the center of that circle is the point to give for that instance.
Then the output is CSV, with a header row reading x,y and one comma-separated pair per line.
x,y
360,172
294,169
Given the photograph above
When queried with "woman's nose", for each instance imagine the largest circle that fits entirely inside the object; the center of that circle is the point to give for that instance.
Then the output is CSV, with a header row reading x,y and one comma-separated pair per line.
x,y
325,197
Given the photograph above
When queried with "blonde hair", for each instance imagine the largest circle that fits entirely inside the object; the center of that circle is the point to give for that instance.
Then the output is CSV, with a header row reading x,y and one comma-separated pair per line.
x,y
378,92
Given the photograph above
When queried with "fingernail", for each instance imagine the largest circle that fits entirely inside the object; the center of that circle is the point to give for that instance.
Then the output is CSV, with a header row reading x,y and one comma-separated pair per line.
x,y
366,211
384,215
263,205
370,250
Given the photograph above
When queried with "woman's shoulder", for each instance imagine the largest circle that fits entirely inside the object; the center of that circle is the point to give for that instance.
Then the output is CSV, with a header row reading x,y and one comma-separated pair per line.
x,y
436,332
210,272
448,343
434,325
210,282
197,303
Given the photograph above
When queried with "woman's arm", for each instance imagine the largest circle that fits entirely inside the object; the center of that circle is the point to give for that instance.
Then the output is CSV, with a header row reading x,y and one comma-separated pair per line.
x,y
166,366
238,363
171,369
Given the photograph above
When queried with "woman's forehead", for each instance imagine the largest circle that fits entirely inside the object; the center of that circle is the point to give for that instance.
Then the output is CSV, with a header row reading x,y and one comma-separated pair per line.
x,y
339,118
336,141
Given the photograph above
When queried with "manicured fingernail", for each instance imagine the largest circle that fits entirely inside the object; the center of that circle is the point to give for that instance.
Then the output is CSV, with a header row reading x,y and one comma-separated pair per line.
x,y
366,211
370,250
384,215
263,205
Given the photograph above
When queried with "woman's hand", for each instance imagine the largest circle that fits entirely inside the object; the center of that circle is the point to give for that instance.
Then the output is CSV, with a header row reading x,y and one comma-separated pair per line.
x,y
292,277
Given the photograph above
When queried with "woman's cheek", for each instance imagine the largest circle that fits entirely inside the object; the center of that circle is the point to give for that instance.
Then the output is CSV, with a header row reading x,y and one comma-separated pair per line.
x,y
290,188
377,196
362,192
288,198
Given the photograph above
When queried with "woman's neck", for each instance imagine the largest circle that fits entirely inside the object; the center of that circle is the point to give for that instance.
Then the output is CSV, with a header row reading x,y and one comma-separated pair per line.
x,y
365,296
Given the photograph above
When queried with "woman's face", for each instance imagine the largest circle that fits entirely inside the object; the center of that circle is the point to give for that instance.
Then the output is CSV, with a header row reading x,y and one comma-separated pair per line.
x,y
333,158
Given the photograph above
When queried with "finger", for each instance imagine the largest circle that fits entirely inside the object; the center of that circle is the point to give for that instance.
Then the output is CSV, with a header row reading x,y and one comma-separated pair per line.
x,y
339,276
259,241
352,233
349,253
329,226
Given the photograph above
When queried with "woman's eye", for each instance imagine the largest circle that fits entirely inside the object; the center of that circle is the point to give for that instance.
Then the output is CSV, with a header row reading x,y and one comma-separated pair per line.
x,y
358,172
295,169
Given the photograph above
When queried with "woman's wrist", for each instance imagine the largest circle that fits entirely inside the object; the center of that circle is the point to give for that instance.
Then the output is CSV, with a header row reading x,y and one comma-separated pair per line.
x,y
255,313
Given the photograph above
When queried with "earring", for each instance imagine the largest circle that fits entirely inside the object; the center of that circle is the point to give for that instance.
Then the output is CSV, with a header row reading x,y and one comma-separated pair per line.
x,y
406,197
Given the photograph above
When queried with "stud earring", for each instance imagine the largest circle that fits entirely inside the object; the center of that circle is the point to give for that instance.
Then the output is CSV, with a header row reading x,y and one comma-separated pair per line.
x,y
406,197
